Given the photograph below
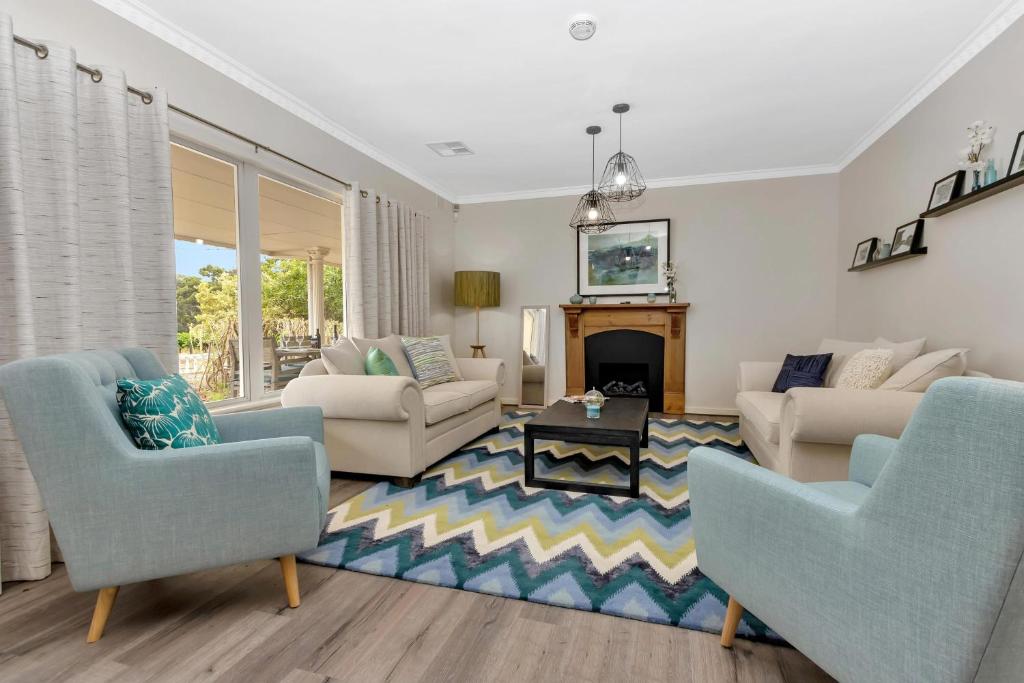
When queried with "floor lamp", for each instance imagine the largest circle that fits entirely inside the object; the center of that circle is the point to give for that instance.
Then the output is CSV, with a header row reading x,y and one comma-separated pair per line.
x,y
478,289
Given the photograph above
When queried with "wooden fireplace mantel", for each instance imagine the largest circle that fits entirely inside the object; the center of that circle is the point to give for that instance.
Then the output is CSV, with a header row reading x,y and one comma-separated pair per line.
x,y
665,320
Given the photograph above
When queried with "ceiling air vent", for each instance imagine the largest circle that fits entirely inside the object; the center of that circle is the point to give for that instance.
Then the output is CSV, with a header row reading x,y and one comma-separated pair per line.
x,y
450,149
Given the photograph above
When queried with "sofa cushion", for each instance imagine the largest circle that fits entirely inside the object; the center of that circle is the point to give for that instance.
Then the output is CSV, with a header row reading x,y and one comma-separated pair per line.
x,y
476,390
842,352
903,352
379,363
918,374
763,409
391,345
430,361
867,369
343,358
439,403
165,413
801,371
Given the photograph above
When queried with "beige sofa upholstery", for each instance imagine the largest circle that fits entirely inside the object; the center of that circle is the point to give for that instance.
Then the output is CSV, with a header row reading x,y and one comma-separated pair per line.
x,y
389,425
807,433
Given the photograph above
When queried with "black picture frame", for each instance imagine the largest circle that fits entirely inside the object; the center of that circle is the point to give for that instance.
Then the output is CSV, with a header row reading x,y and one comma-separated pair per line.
x,y
623,290
915,239
872,245
956,189
1017,158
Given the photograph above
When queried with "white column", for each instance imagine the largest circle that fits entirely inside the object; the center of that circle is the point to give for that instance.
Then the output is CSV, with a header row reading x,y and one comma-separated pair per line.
x,y
315,289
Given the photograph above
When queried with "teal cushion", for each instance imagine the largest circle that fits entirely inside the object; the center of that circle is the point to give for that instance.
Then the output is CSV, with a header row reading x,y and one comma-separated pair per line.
x,y
379,363
428,357
165,413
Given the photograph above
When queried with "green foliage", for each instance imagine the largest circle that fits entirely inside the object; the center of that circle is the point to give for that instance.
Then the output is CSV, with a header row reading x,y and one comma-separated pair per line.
x,y
185,341
186,296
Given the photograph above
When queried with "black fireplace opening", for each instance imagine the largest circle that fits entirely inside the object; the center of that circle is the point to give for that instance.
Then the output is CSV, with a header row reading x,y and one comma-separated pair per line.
x,y
626,363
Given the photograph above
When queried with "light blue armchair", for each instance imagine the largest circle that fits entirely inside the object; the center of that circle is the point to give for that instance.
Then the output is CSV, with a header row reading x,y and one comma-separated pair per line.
x,y
909,571
123,515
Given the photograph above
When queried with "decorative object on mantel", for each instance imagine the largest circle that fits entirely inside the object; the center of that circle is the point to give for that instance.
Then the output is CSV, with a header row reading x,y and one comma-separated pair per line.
x,y
946,190
907,237
991,174
864,252
980,135
576,299
1017,158
625,260
882,251
621,180
593,213
652,298
479,289
669,271
592,299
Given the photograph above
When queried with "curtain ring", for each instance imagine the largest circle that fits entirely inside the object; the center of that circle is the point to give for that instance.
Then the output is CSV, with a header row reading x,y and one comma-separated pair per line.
x,y
42,52
96,75
147,98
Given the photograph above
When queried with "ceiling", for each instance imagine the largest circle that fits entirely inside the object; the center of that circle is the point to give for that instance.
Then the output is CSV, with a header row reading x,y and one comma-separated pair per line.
x,y
719,90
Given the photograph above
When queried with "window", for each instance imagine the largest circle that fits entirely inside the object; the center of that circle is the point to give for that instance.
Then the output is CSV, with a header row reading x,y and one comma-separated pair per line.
x,y
259,274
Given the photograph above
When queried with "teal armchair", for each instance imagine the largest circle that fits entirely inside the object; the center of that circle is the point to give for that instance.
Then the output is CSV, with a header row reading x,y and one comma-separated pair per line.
x,y
910,570
122,515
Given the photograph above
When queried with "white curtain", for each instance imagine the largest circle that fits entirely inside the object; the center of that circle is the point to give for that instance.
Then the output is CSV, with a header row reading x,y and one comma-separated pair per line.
x,y
387,279
86,242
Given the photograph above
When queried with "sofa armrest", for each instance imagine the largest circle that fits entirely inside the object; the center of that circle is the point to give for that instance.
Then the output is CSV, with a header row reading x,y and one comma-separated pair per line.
x,y
267,424
838,416
869,455
757,375
492,369
356,397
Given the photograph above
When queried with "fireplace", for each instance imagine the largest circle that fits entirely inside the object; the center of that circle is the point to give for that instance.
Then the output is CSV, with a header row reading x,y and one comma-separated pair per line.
x,y
626,363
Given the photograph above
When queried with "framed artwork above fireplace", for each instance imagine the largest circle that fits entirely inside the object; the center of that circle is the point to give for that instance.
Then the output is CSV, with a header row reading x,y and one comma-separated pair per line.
x,y
627,260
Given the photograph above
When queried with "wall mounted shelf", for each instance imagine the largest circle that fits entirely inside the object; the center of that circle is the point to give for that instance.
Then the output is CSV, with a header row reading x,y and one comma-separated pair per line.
x,y
888,259
972,197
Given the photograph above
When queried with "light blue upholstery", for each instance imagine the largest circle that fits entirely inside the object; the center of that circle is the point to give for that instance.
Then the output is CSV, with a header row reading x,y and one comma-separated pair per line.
x,y
123,515
910,572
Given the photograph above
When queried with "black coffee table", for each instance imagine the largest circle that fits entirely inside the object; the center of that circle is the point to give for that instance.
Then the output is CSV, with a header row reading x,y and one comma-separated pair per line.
x,y
623,422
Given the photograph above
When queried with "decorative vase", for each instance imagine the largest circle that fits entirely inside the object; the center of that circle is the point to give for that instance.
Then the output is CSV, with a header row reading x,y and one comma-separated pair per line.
x,y
976,185
991,175
672,295
592,299
885,250
652,297
576,299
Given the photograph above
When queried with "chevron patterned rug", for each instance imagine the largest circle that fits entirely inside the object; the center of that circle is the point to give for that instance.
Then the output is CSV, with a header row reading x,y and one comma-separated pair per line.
x,y
471,524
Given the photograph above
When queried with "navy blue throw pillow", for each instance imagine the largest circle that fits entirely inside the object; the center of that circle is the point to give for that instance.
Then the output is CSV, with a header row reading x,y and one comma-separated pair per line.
x,y
802,371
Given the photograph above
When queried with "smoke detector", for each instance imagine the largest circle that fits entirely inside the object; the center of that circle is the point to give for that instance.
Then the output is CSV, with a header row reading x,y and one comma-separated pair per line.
x,y
582,26
450,149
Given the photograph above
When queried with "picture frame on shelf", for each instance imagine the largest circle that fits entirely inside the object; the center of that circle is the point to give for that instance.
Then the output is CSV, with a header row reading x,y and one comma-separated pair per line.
x,y
946,189
627,259
1017,158
907,237
865,251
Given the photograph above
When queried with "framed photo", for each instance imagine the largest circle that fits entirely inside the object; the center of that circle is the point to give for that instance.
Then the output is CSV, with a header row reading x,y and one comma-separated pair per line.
x,y
625,260
946,190
865,252
907,237
1017,158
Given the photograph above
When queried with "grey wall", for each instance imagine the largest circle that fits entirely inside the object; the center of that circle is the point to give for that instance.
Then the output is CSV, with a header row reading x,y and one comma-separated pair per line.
x,y
756,262
101,37
969,289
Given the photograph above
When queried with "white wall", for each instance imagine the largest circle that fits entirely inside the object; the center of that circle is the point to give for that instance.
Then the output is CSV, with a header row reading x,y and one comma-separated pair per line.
x,y
756,263
969,289
101,37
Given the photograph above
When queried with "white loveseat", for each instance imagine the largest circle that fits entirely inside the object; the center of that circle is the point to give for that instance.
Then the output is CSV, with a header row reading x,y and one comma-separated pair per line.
x,y
389,425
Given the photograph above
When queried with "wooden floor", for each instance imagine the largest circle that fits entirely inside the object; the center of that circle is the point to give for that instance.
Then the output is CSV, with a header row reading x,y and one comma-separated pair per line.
x,y
233,624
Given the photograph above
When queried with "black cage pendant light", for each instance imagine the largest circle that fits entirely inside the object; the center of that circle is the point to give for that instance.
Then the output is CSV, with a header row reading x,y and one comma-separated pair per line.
x,y
621,180
593,213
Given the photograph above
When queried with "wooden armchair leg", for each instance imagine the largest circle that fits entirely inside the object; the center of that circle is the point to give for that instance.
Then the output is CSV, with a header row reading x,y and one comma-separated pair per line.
x,y
291,579
104,603
732,620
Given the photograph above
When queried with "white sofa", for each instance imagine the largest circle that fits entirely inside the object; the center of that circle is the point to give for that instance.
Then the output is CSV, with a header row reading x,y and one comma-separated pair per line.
x,y
389,425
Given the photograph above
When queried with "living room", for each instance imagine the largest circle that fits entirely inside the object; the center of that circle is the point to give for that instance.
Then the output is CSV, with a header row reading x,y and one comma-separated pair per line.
x,y
385,290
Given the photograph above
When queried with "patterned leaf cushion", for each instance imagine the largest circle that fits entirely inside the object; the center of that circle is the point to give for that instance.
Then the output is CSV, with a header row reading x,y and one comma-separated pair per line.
x,y
802,371
165,413
430,360
379,363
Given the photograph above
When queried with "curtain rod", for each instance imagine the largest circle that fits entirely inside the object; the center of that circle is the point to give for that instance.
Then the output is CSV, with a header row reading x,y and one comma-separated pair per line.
x,y
42,52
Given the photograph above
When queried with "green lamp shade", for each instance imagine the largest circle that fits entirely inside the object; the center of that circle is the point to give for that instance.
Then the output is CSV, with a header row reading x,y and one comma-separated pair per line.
x,y
477,288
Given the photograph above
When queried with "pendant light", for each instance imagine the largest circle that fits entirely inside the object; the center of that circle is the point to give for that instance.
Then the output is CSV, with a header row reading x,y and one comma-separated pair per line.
x,y
621,180
593,213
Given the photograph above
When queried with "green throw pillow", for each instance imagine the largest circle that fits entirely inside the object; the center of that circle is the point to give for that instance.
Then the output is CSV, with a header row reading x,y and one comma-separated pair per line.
x,y
165,413
379,363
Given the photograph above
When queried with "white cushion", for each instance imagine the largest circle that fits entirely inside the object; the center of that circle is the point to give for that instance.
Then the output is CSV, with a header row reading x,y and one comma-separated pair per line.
x,y
343,358
391,345
867,369
763,410
447,341
476,390
842,352
440,404
903,352
918,374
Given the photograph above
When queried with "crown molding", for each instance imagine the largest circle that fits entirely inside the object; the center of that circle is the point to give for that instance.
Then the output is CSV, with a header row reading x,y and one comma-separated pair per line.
x,y
997,22
657,183
145,18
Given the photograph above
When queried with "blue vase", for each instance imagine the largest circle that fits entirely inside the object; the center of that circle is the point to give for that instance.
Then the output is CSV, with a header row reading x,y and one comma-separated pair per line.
x,y
991,175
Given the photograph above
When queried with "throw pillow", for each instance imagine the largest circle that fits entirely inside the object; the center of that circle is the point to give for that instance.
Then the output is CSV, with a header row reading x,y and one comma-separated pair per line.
x,y
842,351
343,358
429,360
866,369
903,352
802,371
379,363
165,413
446,340
392,346
918,374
